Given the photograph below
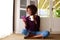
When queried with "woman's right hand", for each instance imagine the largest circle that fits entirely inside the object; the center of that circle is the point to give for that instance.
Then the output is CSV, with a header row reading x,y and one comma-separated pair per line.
x,y
24,18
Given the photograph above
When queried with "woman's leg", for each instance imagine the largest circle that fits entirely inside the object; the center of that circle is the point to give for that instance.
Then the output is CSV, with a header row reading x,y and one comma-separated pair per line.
x,y
25,32
45,33
37,34
42,34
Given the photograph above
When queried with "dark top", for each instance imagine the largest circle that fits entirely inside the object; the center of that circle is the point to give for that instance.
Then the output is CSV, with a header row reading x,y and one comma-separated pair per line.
x,y
31,25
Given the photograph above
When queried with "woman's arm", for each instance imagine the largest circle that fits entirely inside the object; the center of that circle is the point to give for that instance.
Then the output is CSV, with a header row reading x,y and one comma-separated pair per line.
x,y
24,20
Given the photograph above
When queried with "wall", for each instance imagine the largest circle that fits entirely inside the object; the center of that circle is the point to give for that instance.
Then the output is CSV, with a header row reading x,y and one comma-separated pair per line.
x,y
52,25
6,18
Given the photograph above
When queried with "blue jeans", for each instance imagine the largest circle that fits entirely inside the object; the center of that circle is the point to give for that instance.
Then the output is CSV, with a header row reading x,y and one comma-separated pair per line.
x,y
43,33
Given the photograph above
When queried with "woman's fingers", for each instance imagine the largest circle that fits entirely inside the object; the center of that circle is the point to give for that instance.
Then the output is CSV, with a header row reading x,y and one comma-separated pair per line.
x,y
24,18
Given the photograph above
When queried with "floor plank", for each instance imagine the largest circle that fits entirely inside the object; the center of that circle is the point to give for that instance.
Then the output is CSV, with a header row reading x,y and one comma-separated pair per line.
x,y
21,37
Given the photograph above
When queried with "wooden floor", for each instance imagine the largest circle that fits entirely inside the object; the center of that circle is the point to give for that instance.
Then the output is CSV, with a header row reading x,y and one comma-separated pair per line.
x,y
21,37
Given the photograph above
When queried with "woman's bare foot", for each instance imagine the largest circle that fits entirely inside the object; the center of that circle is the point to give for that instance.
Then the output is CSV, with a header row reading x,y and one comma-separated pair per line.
x,y
37,36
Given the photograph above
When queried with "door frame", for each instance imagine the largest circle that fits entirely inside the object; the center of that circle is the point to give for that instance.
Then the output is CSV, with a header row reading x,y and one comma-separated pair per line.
x,y
13,16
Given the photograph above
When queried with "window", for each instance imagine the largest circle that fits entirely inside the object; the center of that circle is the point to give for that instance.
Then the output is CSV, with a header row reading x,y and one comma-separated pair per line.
x,y
56,8
22,13
23,4
32,2
43,12
43,8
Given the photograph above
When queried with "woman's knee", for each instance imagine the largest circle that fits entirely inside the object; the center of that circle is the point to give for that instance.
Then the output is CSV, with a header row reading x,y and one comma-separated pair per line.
x,y
45,33
24,31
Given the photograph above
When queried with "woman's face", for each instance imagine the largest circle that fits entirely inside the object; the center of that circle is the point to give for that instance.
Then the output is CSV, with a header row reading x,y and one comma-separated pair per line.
x,y
29,11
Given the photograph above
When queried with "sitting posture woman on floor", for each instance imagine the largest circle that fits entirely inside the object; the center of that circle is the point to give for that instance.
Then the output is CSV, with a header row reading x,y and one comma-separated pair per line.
x,y
32,23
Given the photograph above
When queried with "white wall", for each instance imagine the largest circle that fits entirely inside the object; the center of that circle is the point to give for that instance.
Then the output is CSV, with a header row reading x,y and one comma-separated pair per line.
x,y
52,25
6,18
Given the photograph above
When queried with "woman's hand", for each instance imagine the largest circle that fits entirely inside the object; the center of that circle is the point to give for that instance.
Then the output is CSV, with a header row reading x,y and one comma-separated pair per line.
x,y
24,18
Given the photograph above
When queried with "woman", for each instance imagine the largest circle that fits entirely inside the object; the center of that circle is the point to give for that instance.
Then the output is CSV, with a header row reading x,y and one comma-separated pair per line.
x,y
32,23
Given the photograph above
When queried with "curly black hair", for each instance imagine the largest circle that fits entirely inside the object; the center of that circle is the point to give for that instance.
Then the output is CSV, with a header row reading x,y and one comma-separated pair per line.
x,y
33,9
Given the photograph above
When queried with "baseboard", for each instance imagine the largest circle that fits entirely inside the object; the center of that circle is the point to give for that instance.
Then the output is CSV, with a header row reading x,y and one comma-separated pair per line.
x,y
55,32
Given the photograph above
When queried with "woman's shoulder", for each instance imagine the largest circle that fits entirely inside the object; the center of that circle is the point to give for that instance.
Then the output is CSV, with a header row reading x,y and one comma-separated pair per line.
x,y
37,16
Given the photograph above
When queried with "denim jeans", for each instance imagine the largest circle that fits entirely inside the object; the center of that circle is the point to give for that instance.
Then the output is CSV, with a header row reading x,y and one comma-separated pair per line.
x,y
43,33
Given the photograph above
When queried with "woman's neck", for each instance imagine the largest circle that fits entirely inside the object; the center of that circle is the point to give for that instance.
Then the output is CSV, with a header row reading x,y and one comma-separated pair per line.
x,y
32,15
